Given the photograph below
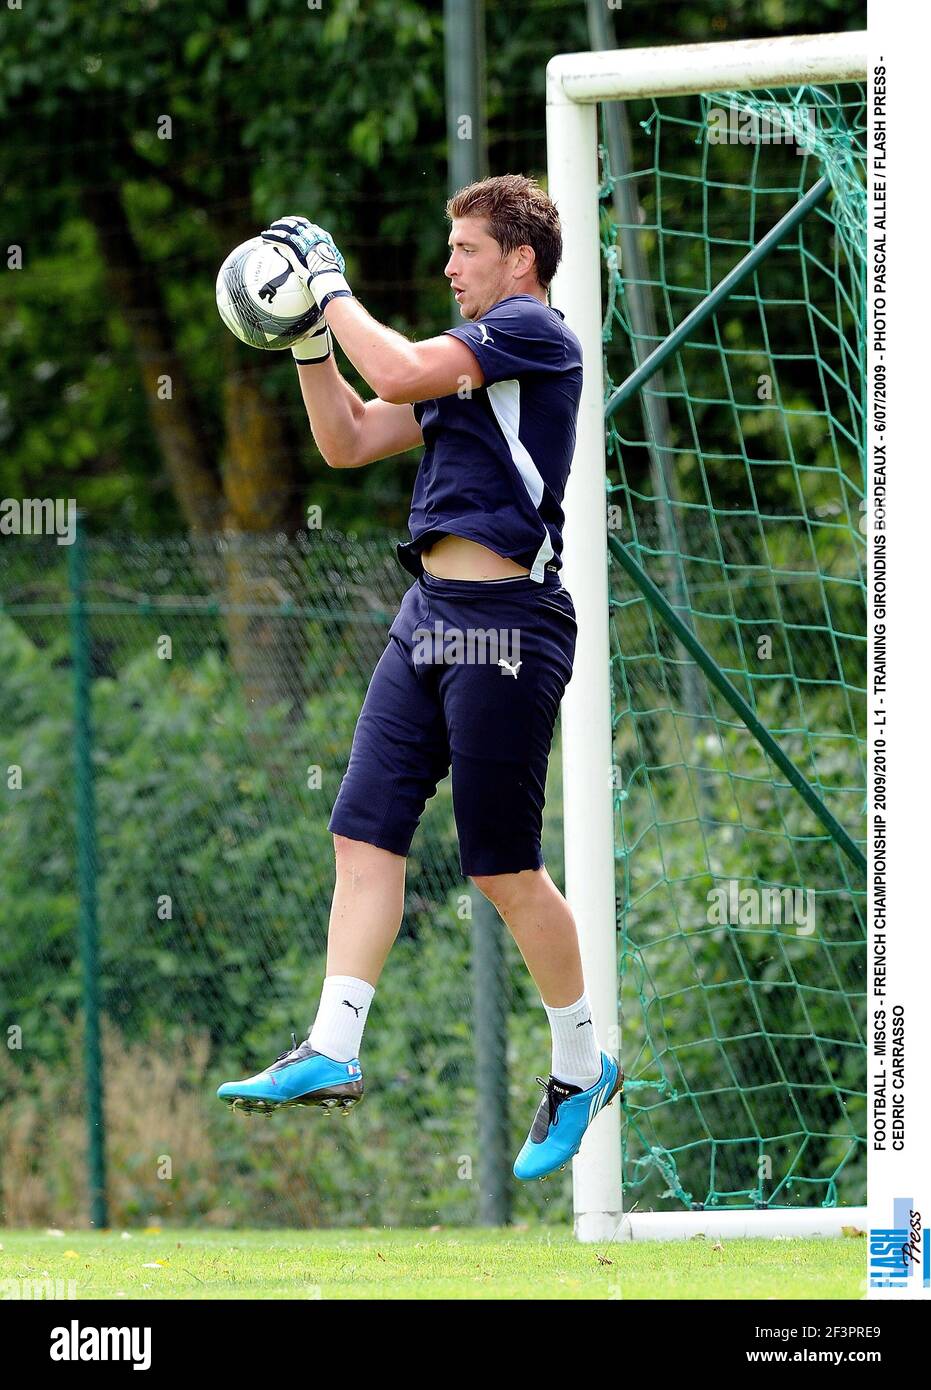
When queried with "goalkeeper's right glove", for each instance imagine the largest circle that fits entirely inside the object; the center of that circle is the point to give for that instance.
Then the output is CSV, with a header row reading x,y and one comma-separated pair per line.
x,y
313,255
315,346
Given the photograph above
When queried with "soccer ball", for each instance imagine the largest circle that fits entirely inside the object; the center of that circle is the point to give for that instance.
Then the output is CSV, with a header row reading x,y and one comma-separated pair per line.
x,y
261,300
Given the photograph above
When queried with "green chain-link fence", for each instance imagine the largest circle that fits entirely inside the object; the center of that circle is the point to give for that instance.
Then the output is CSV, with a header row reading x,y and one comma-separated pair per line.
x,y
225,681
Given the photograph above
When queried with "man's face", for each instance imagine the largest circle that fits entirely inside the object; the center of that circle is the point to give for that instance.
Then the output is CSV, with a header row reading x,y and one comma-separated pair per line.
x,y
477,271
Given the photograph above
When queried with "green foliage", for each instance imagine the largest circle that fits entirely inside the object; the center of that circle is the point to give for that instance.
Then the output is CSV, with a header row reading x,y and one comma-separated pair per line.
x,y
215,878
275,107
204,800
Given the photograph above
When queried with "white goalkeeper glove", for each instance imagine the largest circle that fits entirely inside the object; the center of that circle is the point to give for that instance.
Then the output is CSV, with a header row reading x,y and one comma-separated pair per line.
x,y
313,255
315,346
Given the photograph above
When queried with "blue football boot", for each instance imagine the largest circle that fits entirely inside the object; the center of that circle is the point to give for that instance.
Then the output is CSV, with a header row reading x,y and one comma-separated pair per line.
x,y
564,1115
298,1077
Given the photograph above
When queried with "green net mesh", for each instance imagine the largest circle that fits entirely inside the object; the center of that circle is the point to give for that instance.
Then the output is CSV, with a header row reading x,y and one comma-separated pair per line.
x,y
736,481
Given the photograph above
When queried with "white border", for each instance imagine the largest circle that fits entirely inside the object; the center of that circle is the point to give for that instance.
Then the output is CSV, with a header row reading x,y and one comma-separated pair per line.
x,y
897,1177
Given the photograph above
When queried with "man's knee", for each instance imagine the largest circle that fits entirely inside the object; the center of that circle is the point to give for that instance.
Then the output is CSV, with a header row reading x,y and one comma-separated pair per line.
x,y
359,854
502,889
485,883
344,846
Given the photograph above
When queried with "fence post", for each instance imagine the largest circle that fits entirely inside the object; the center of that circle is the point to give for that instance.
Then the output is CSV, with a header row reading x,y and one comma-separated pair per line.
x,y
86,833
489,989
467,160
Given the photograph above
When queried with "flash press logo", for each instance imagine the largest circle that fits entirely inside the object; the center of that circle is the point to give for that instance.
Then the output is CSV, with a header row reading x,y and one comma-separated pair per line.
x,y
39,516
900,1254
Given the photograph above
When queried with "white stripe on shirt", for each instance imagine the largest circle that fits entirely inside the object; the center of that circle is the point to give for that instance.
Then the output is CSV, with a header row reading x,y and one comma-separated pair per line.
x,y
505,402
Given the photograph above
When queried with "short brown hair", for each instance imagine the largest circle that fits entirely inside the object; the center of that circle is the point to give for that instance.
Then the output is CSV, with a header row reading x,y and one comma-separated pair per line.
x,y
518,213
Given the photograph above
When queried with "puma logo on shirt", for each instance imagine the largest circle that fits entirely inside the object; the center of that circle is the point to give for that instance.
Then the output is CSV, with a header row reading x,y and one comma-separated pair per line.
x,y
508,668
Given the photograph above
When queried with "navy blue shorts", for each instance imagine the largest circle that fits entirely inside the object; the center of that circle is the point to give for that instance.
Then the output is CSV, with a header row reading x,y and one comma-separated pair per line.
x,y
471,679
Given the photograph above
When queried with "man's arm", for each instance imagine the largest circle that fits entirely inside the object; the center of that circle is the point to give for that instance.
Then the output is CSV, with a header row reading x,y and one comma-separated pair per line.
x,y
348,431
398,371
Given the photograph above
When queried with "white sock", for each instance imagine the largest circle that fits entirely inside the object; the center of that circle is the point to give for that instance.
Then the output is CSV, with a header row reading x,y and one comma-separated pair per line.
x,y
576,1054
340,1021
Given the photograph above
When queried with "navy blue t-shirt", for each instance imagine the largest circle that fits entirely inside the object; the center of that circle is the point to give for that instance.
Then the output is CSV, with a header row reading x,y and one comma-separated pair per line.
x,y
495,464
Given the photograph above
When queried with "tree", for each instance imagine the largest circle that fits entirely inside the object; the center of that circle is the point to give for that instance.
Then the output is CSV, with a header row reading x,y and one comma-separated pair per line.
x,y
175,132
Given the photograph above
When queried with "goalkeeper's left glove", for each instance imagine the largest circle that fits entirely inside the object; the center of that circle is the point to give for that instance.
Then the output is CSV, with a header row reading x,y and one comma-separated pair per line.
x,y
315,346
313,255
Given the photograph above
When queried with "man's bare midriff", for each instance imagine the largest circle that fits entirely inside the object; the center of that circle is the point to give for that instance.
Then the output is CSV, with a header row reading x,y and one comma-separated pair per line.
x,y
453,557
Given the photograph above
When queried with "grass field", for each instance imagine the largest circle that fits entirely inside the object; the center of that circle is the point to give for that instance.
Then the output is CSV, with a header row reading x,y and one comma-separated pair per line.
x,y
421,1264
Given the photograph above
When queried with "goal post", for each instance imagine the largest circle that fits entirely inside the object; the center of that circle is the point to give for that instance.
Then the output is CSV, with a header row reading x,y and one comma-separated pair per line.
x,y
687,711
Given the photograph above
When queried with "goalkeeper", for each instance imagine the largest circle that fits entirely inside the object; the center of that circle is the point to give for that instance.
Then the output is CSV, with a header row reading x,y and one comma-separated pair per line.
x,y
494,403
